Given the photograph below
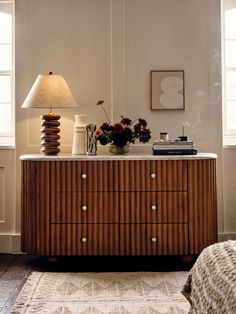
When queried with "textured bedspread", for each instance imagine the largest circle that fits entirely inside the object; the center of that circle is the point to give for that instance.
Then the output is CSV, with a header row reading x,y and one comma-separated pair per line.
x,y
211,284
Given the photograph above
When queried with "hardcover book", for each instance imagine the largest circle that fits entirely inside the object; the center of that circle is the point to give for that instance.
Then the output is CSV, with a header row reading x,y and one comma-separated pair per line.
x,y
191,151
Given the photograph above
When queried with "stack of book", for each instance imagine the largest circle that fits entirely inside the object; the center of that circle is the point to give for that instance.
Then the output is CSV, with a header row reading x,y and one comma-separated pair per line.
x,y
174,148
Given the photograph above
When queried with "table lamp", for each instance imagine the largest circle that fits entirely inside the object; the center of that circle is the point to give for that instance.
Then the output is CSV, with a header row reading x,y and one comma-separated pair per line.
x,y
50,91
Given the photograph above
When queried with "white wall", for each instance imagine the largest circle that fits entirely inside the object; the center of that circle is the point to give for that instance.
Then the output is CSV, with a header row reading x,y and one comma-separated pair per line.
x,y
9,239
106,49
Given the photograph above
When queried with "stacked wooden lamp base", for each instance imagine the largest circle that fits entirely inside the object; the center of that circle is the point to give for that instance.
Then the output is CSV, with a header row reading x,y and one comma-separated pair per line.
x,y
50,134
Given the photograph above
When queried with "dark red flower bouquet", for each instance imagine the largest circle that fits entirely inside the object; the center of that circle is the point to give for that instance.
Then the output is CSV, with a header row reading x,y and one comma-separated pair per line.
x,y
124,132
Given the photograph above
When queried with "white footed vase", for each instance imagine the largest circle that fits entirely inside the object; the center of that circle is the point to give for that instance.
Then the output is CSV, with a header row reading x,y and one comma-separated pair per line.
x,y
78,147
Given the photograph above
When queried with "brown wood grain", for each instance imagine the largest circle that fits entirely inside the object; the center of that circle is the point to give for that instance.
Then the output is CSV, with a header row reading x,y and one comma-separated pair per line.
x,y
202,204
125,207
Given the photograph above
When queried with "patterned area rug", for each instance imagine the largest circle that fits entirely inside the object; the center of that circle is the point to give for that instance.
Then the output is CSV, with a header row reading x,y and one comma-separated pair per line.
x,y
103,293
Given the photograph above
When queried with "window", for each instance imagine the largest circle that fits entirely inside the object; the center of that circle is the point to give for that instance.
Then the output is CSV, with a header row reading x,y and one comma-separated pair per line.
x,y
229,71
6,72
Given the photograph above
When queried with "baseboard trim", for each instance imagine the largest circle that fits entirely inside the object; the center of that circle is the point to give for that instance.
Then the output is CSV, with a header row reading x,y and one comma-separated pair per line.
x,y
10,243
226,236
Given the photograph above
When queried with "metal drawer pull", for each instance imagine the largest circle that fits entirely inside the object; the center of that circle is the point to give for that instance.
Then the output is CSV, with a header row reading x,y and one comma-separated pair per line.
x,y
83,240
153,175
83,175
153,207
84,207
154,239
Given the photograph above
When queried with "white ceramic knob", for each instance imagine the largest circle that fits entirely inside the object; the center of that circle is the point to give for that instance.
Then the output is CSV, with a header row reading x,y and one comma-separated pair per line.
x,y
153,207
153,175
84,240
84,207
154,239
84,176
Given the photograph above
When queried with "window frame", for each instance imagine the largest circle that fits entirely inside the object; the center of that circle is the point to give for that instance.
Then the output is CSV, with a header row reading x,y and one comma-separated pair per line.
x,y
229,135
8,138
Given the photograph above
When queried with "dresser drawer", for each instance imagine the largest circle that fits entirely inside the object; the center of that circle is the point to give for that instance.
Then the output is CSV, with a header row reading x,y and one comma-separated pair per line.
x,y
84,239
153,239
152,175
125,175
90,207
153,207
84,176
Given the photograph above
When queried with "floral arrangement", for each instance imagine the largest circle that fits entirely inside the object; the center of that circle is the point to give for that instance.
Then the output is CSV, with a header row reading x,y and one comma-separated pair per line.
x,y
122,133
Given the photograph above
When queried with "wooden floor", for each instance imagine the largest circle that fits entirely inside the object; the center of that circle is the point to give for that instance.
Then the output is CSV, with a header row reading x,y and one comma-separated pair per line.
x,y
15,269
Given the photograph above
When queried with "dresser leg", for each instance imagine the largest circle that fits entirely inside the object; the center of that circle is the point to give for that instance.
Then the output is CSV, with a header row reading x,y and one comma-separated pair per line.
x,y
52,260
186,259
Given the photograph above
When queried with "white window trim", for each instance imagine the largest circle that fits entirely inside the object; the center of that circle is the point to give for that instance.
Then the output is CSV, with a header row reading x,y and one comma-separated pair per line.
x,y
8,139
229,137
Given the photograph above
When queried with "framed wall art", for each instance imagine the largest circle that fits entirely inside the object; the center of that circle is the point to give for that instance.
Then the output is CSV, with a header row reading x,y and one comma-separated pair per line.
x,y
167,90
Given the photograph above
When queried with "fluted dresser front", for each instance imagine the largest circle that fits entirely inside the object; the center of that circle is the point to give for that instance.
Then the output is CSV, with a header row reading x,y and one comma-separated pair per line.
x,y
118,205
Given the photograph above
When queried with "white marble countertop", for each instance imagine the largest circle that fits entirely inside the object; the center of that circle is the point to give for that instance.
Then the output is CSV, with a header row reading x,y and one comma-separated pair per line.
x,y
142,156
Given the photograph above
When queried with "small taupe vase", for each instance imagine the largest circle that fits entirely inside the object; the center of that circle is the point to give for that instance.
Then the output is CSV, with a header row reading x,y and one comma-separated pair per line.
x,y
117,150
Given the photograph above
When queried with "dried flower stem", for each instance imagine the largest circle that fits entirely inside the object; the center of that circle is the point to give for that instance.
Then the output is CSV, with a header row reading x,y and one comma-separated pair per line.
x,y
100,103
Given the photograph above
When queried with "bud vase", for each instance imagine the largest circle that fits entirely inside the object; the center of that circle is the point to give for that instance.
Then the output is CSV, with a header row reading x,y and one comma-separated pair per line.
x,y
117,150
78,147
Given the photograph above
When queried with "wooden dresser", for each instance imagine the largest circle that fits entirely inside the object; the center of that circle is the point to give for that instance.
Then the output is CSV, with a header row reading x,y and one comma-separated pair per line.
x,y
118,205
